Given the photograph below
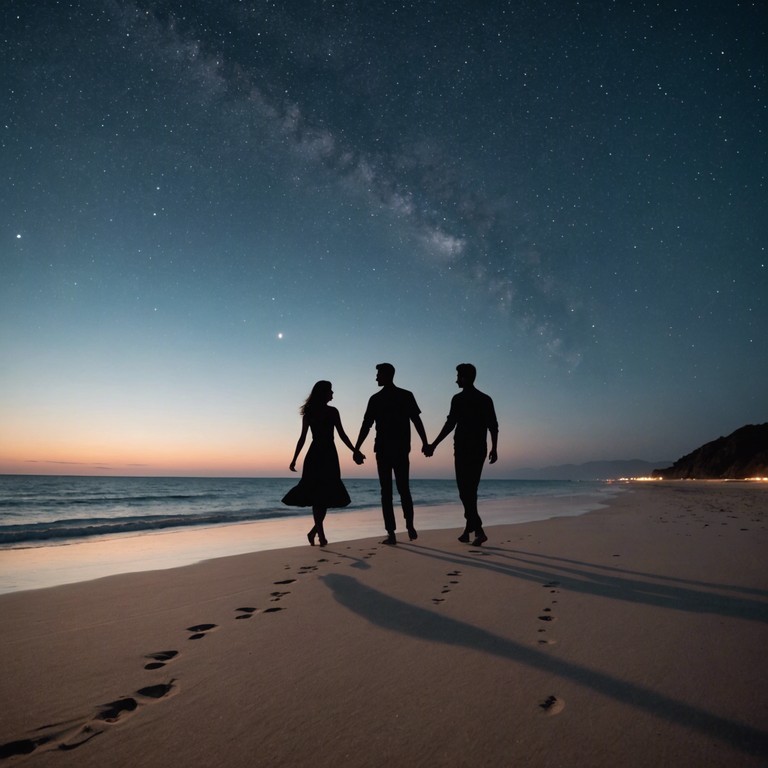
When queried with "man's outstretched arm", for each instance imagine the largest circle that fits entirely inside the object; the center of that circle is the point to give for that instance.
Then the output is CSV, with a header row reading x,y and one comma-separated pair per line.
x,y
365,428
493,428
448,427
417,422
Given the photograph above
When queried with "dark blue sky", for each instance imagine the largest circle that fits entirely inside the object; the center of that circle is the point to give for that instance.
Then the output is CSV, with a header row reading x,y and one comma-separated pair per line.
x,y
208,206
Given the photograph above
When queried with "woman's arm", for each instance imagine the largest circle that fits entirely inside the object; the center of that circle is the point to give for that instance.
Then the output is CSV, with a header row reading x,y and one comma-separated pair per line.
x,y
343,434
301,441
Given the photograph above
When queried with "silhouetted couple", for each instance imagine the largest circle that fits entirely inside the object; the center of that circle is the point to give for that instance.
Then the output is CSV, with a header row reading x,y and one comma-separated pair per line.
x,y
393,410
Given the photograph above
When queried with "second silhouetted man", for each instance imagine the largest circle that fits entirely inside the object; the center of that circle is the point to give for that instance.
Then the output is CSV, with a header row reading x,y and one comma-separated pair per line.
x,y
392,410
473,416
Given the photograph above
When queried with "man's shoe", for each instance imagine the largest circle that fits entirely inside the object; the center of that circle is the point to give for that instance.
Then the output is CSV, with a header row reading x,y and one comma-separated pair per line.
x,y
390,540
480,539
412,533
464,538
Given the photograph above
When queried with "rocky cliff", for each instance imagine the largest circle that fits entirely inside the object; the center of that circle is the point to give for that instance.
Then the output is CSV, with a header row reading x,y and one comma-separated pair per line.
x,y
742,454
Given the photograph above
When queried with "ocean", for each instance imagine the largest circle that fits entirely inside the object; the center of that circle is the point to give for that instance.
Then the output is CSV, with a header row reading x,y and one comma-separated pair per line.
x,y
38,511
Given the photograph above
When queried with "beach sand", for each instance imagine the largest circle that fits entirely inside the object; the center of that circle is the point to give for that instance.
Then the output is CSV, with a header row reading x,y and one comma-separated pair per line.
x,y
634,635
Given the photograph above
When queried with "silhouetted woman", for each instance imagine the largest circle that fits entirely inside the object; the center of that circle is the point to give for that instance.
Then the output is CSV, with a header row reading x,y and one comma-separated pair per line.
x,y
320,486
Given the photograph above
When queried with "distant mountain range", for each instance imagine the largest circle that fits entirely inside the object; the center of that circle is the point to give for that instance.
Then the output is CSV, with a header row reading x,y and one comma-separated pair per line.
x,y
742,454
592,470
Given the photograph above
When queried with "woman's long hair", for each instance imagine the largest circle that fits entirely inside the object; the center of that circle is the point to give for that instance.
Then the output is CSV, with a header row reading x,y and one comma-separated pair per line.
x,y
317,398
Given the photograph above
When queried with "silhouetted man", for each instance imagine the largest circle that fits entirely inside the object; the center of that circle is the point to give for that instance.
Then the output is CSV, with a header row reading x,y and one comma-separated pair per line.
x,y
473,415
392,410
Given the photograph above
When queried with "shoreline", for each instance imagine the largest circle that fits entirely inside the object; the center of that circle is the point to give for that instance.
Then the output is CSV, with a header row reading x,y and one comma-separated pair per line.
x,y
56,563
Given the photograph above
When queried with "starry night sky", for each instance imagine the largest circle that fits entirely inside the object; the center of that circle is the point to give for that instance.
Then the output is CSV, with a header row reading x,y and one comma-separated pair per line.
x,y
207,206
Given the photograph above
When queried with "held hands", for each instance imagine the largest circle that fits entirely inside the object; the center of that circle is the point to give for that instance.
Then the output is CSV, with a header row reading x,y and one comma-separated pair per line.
x,y
358,457
293,466
428,449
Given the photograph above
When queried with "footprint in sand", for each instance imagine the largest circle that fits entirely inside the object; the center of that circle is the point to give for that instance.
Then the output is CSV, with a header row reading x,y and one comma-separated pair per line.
x,y
160,659
245,613
548,611
446,588
159,691
284,581
200,630
20,747
116,710
274,610
552,705
113,711
275,596
71,735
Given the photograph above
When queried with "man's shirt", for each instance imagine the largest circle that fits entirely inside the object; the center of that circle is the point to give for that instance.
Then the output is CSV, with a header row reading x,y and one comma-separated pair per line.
x,y
473,415
391,409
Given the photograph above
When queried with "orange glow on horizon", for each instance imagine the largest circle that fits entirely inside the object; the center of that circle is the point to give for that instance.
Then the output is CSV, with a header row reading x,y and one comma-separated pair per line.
x,y
175,459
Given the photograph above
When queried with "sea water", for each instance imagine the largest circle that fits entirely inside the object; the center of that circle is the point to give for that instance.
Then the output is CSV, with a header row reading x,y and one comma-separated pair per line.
x,y
38,511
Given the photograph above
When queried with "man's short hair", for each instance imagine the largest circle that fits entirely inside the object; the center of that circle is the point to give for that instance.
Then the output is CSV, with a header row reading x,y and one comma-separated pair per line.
x,y
387,369
467,371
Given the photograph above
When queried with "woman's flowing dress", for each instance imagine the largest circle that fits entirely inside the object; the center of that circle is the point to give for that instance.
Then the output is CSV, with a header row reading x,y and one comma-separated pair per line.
x,y
320,484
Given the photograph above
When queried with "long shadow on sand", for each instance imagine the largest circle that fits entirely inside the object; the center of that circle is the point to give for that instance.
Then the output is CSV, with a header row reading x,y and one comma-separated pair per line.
x,y
609,585
396,616
519,554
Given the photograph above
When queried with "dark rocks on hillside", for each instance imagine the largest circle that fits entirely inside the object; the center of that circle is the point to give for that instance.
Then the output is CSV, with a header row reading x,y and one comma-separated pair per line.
x,y
742,454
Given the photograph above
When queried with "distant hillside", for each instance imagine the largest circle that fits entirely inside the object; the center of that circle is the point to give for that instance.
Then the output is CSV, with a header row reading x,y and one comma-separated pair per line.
x,y
742,454
592,470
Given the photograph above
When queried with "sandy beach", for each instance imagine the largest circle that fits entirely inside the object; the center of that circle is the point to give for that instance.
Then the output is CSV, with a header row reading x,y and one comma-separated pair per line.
x,y
634,635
